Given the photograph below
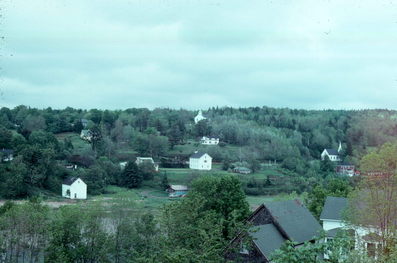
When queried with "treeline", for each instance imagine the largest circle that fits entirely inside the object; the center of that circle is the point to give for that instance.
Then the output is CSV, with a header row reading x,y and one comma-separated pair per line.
x,y
195,229
293,139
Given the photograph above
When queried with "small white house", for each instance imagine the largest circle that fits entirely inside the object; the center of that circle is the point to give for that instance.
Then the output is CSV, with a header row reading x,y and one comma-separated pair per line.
x,y
142,160
209,141
199,117
86,135
200,161
6,155
74,188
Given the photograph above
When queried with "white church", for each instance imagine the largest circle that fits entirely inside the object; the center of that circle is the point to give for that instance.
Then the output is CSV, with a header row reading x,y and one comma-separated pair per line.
x,y
199,117
332,154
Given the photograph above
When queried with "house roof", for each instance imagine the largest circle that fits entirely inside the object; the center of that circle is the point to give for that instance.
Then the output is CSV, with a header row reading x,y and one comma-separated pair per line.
x,y
339,230
145,159
333,208
197,155
86,132
332,151
7,151
70,180
294,220
241,168
267,239
176,187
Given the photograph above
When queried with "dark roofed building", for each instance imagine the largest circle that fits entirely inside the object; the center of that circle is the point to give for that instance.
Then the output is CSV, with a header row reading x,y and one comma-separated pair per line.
x,y
267,239
277,222
332,154
6,155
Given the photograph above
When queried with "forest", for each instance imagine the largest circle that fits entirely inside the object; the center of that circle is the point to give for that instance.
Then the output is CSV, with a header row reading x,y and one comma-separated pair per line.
x,y
284,144
43,144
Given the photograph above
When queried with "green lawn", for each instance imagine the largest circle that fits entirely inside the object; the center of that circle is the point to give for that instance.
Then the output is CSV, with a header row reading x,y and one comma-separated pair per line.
x,y
79,145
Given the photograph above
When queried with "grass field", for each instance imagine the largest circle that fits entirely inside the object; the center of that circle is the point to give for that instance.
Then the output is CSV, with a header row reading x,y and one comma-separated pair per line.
x,y
79,145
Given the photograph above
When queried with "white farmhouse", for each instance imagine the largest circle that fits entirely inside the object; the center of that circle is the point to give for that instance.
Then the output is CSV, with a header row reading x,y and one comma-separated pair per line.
x,y
200,161
74,188
209,141
332,217
199,117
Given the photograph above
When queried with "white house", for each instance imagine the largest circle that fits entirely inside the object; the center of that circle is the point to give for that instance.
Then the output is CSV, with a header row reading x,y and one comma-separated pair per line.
x,y
6,155
209,141
74,188
200,161
86,135
142,160
332,217
199,117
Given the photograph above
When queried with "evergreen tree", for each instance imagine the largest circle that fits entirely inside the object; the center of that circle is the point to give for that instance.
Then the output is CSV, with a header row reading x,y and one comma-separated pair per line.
x,y
131,177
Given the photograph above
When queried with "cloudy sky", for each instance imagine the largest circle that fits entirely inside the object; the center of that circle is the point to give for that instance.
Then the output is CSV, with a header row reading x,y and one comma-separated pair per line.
x,y
196,53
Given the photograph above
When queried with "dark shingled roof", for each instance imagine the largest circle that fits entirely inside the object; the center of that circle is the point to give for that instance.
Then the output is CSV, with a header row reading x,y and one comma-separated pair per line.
x,y
267,239
294,219
332,151
70,180
333,208
7,151
197,155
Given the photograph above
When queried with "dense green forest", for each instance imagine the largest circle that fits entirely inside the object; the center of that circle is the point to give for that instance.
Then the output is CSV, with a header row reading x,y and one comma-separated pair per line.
x,y
293,139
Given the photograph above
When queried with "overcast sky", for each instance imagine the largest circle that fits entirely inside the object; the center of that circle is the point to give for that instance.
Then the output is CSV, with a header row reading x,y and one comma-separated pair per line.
x,y
196,54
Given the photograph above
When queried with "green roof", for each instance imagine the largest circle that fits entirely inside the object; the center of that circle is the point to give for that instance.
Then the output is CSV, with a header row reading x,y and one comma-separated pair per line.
x,y
267,239
293,218
333,208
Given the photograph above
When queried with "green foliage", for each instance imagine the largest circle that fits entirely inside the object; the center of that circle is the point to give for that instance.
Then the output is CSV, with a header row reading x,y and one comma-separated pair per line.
x,y
315,199
131,177
164,181
224,196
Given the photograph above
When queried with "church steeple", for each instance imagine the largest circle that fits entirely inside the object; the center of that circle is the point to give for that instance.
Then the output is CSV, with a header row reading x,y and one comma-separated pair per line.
x,y
340,147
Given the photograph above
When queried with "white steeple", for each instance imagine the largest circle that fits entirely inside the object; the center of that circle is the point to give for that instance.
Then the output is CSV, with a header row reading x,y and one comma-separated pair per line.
x,y
340,147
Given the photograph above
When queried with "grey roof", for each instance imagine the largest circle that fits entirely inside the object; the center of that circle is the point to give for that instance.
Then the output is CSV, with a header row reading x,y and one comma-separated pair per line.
x,y
332,151
70,180
197,155
177,187
333,208
7,151
294,220
267,239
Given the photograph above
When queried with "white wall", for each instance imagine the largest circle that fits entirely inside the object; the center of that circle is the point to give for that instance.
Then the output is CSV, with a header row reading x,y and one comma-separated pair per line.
x,y
78,190
331,224
203,163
